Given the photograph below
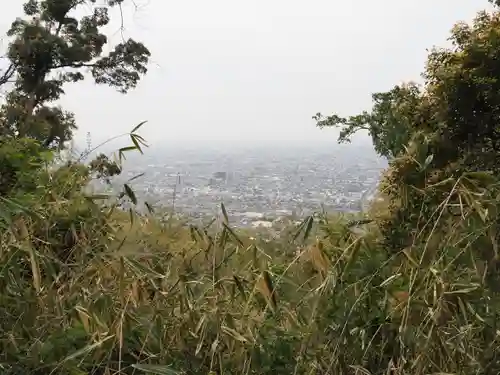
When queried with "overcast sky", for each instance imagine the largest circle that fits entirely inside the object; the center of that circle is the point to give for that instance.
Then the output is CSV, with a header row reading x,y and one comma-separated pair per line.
x,y
258,70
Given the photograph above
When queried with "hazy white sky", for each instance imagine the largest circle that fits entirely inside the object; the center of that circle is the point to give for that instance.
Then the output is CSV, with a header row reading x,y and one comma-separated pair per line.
x,y
258,70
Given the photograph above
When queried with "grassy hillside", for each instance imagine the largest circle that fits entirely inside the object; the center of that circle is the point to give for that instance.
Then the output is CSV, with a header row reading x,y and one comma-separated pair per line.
x,y
85,290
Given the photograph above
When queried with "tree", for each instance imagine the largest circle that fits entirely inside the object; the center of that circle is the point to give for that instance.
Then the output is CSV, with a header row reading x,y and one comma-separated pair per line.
x,y
463,86
458,100
443,142
52,48
444,188
390,123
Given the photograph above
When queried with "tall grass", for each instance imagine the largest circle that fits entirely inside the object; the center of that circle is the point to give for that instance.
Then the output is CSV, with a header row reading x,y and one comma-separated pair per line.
x,y
87,288
150,297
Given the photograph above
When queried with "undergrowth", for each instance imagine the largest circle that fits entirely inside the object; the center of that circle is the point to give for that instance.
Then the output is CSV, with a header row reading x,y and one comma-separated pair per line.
x,y
89,288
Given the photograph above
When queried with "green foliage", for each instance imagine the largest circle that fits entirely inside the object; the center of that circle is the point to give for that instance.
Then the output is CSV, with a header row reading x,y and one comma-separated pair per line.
x,y
441,192
391,122
21,161
157,300
104,168
51,48
437,135
458,105
432,182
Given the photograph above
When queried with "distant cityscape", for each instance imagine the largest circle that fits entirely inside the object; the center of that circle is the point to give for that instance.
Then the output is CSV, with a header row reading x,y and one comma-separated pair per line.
x,y
256,185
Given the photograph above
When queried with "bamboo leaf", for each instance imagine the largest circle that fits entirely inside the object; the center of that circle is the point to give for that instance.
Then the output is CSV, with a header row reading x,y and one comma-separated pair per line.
x,y
156,369
149,207
224,213
128,148
428,161
232,234
309,225
136,143
138,126
141,140
131,215
390,280
268,289
136,177
86,350
97,196
231,332
240,286
130,193
299,230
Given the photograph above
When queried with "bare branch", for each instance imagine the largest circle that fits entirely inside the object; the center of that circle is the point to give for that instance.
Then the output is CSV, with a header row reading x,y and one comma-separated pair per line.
x,y
8,74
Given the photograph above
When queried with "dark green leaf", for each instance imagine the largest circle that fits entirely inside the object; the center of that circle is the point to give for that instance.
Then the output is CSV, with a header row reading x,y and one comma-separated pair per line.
x,y
149,207
136,177
130,193
138,126
224,213
238,283
136,143
309,225
232,234
128,148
